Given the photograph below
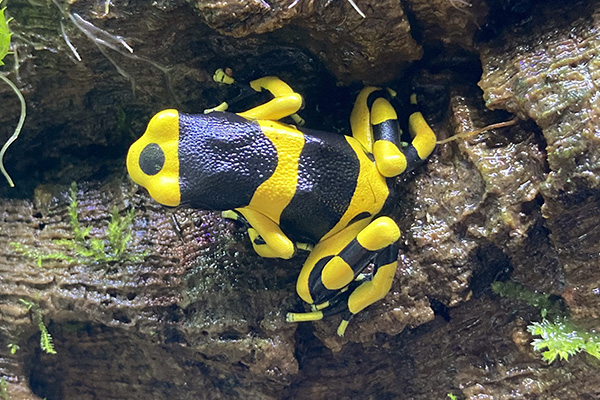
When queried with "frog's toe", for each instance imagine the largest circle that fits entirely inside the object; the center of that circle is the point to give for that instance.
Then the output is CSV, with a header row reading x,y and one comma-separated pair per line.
x,y
341,330
298,119
303,317
221,107
317,315
221,76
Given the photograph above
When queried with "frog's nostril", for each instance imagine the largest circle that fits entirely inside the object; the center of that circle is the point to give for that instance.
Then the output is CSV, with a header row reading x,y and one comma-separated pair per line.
x,y
152,159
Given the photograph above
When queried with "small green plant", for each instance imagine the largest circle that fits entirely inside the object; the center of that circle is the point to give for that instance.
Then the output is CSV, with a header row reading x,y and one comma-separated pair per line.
x,y
452,396
39,256
559,337
3,389
5,35
84,248
13,348
562,339
516,291
45,337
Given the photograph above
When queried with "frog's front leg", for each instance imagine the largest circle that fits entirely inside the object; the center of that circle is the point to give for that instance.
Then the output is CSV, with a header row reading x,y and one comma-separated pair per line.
x,y
258,240
331,279
285,103
266,236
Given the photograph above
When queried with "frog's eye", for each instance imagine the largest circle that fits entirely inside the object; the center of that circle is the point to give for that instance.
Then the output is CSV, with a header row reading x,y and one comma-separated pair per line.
x,y
152,159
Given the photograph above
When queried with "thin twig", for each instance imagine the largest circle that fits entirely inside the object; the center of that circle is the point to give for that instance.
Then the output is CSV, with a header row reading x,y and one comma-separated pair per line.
x,y
478,131
15,135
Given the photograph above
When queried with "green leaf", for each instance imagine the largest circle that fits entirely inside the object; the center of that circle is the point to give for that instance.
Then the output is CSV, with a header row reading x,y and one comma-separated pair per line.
x,y
13,347
27,303
5,35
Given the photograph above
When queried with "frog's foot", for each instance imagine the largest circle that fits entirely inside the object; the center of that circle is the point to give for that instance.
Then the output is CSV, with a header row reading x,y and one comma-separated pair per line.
x,y
305,246
221,107
335,283
255,237
320,314
235,216
375,124
266,236
355,297
221,76
274,243
337,305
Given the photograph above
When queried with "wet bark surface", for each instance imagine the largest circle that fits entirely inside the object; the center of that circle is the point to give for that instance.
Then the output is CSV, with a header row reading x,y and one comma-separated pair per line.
x,y
200,315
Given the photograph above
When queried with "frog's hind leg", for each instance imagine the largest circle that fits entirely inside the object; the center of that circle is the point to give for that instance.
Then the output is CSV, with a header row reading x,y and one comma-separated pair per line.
x,y
375,124
332,280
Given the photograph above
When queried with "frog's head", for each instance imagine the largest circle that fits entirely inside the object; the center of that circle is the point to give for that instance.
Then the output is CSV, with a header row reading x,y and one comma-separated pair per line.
x,y
153,161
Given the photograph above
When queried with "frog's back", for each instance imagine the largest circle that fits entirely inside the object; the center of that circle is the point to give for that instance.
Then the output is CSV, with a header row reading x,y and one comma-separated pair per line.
x,y
337,184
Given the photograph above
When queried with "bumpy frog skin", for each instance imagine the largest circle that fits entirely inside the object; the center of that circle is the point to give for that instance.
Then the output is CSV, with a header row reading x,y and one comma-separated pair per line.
x,y
295,188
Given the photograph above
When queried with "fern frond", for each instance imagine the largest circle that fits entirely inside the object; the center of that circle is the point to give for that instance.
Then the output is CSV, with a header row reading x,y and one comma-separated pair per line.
x,y
45,337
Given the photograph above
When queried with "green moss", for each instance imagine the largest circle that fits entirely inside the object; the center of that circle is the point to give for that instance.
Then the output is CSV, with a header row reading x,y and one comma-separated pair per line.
x,y
45,338
562,338
119,233
39,256
79,234
3,389
70,327
559,337
516,291
85,249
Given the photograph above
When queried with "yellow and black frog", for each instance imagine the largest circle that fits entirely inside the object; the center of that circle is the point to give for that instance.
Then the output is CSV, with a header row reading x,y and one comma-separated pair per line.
x,y
294,188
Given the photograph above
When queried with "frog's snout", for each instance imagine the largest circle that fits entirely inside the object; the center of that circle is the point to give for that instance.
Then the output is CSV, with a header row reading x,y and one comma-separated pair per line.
x,y
153,162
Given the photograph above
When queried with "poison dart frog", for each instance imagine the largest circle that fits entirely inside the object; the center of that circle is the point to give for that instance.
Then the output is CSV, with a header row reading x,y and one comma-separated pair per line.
x,y
294,188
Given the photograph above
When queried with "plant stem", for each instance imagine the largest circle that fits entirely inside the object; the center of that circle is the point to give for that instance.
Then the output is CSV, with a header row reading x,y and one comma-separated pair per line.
x,y
15,135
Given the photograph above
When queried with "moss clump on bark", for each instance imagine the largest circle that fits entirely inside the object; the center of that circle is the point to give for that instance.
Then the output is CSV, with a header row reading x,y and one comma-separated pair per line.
x,y
85,249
